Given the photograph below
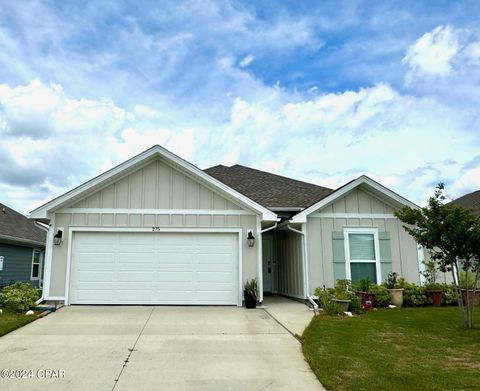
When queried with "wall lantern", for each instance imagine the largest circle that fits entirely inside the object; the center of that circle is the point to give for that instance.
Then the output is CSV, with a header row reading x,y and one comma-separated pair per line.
x,y
58,237
250,239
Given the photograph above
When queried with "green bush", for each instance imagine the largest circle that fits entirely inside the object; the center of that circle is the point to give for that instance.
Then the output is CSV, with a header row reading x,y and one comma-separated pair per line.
x,y
413,295
356,305
382,295
19,297
449,295
326,303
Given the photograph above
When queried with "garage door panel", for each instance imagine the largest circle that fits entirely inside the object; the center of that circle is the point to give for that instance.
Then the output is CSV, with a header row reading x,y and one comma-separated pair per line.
x,y
154,268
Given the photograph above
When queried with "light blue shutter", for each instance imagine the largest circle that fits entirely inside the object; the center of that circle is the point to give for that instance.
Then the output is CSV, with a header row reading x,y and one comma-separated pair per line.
x,y
385,254
338,248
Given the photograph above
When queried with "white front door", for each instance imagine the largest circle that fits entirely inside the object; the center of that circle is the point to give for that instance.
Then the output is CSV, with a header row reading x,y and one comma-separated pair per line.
x,y
267,263
154,268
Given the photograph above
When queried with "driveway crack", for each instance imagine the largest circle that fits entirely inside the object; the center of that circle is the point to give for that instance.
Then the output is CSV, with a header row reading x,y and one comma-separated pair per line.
x,y
132,349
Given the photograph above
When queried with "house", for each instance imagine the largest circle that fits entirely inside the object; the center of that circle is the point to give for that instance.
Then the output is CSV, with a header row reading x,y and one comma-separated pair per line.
x,y
22,246
158,230
469,201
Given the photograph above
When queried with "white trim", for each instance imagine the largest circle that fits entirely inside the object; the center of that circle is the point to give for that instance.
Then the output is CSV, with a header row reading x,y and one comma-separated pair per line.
x,y
259,259
305,277
354,215
302,216
48,259
39,264
72,230
372,231
155,151
157,211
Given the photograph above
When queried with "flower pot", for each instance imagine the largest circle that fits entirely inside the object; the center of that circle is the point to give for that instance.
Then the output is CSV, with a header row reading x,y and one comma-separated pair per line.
x,y
472,296
396,296
367,296
250,299
435,296
343,303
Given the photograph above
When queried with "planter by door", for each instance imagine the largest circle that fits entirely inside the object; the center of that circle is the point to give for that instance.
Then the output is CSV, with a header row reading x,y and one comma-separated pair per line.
x,y
436,297
250,300
343,303
396,296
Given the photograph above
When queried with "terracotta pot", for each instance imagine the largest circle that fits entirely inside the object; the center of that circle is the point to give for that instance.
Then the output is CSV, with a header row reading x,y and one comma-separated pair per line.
x,y
343,303
396,296
435,296
250,299
367,296
475,298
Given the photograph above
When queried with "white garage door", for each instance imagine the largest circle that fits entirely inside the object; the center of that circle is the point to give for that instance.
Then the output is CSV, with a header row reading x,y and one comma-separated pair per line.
x,y
154,268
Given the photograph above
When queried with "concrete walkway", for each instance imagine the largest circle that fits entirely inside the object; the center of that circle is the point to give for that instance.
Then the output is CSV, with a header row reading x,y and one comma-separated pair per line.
x,y
293,315
157,348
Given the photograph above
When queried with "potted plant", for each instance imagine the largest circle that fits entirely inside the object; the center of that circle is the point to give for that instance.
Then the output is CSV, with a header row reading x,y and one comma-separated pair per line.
x,y
364,291
343,293
433,289
396,291
469,287
250,293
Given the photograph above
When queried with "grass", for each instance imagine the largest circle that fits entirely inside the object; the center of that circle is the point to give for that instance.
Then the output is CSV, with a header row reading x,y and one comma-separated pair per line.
x,y
400,349
11,321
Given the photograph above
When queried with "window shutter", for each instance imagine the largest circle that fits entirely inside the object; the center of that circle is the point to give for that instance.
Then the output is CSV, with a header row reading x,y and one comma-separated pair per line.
x,y
385,254
338,248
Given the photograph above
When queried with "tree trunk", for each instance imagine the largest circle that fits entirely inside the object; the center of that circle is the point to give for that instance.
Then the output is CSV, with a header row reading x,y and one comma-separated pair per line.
x,y
456,279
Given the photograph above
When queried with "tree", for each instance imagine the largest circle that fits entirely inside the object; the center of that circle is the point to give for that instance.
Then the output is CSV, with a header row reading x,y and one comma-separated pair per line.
x,y
451,234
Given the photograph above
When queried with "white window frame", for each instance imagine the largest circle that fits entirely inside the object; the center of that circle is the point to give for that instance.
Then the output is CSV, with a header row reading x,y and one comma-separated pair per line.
x,y
371,231
32,278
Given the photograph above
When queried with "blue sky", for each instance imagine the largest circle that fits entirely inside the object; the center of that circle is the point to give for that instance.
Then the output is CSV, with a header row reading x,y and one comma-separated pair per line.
x,y
322,91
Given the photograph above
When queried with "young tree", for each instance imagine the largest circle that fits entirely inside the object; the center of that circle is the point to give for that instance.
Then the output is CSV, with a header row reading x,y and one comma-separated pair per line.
x,y
451,234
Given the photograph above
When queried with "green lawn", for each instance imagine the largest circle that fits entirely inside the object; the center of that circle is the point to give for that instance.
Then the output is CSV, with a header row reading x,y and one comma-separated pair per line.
x,y
10,321
399,349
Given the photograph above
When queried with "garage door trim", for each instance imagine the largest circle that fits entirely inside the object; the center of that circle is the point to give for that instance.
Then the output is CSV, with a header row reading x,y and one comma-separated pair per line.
x,y
154,230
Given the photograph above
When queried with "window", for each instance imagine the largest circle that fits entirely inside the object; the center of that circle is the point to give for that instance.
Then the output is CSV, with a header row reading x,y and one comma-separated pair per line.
x,y
362,256
36,264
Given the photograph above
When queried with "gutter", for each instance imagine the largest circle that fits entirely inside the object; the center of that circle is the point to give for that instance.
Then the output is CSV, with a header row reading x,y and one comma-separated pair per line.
x,y
305,266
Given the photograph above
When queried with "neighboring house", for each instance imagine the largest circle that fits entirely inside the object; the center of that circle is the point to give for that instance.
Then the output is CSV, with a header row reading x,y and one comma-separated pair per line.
x,y
469,201
22,246
158,230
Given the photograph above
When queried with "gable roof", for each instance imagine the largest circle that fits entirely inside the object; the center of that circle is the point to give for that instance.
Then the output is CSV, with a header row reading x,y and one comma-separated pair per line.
x,y
272,191
18,228
362,181
138,161
469,201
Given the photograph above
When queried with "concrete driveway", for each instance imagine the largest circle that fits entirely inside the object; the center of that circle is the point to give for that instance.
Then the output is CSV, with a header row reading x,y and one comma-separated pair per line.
x,y
155,348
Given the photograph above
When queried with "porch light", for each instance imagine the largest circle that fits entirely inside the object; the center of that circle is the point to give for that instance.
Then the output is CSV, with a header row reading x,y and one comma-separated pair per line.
x,y
57,238
250,239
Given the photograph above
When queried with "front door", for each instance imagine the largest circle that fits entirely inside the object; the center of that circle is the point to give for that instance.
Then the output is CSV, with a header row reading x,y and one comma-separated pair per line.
x,y
267,262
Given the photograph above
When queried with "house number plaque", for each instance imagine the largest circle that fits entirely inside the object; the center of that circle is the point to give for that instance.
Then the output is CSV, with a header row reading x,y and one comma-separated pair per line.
x,y
155,229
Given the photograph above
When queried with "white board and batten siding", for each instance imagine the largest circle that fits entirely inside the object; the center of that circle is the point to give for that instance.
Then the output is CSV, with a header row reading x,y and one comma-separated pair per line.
x,y
358,209
154,197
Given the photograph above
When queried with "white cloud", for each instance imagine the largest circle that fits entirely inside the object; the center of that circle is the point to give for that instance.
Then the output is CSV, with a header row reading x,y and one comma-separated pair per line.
x,y
246,61
432,54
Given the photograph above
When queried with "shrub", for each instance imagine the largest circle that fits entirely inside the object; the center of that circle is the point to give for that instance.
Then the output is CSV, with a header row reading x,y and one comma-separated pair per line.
x,y
326,303
382,295
413,295
19,297
449,295
356,305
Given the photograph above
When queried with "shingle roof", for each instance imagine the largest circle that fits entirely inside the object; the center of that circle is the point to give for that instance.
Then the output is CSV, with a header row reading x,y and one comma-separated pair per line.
x,y
469,201
16,226
269,190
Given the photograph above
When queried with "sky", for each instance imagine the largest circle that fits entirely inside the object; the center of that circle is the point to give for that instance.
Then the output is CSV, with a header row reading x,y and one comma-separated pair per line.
x,y
320,91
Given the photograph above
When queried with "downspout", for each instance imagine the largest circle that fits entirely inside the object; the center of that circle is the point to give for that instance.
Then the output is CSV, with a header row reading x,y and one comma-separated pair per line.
x,y
48,229
305,267
269,228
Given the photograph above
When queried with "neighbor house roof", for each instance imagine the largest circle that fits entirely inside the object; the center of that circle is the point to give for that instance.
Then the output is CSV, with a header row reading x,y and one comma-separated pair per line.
x,y
270,190
469,201
16,227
